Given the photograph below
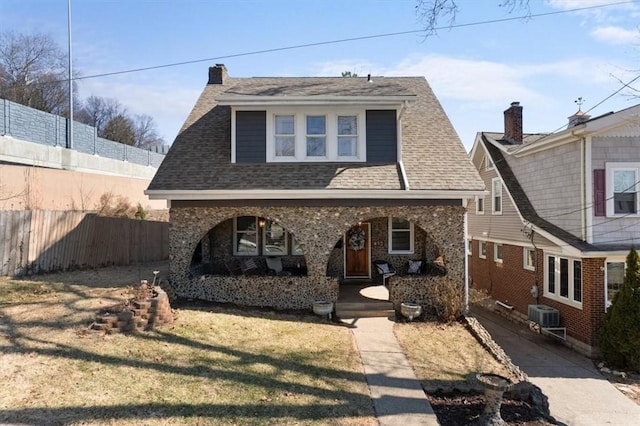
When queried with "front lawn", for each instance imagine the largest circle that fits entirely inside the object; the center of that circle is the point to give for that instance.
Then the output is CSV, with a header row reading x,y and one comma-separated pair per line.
x,y
212,366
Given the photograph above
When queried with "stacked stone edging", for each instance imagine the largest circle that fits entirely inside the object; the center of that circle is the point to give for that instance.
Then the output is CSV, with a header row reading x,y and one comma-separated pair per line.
x,y
523,389
143,316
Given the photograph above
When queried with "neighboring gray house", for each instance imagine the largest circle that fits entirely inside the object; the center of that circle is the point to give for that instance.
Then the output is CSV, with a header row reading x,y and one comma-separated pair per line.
x,y
561,213
319,175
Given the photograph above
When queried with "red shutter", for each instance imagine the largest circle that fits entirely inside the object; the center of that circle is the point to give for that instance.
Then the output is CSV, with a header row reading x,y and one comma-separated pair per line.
x,y
599,193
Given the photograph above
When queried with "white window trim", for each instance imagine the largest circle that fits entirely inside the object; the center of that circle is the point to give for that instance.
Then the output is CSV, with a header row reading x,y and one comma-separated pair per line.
x,y
495,253
525,258
470,247
614,259
480,244
484,207
235,233
610,169
390,238
300,116
488,163
556,294
493,196
264,241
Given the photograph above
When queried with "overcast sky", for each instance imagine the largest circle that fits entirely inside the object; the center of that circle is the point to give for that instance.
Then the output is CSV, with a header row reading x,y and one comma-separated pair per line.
x,y
544,62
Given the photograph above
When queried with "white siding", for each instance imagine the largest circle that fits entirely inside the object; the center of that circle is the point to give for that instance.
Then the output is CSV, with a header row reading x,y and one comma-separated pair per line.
x,y
504,227
616,230
552,181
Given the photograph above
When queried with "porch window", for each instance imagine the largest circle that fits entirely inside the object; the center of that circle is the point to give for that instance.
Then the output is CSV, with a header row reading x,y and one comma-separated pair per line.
x,y
274,239
245,231
400,236
297,248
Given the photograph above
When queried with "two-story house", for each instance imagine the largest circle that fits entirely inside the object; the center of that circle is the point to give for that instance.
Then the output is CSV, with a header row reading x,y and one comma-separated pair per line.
x,y
322,176
559,218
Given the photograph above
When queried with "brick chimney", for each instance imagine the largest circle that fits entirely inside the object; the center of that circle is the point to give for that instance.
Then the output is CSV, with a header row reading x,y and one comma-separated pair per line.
x,y
217,74
513,123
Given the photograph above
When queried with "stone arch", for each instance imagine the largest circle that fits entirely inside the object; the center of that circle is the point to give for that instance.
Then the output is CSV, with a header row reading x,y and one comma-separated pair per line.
x,y
190,226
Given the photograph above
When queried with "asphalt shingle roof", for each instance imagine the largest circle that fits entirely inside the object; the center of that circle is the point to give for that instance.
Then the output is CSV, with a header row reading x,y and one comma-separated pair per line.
x,y
433,156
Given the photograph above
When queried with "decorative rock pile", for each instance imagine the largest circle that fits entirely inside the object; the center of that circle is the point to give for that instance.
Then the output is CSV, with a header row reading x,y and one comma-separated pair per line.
x,y
141,316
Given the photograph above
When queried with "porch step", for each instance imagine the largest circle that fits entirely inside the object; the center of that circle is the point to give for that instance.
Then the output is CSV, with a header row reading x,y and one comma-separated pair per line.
x,y
364,309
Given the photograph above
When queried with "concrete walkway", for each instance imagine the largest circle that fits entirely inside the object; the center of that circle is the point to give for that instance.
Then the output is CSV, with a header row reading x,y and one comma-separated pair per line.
x,y
398,398
578,394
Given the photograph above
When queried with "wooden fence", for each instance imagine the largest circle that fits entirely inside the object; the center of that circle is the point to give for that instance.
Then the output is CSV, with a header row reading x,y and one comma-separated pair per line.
x,y
37,241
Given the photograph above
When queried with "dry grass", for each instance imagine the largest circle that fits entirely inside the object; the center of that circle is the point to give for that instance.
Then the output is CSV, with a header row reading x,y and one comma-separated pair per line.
x,y
212,366
444,352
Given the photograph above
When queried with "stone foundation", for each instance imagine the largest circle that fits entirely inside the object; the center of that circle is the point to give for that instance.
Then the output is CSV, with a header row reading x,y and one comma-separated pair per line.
x,y
278,292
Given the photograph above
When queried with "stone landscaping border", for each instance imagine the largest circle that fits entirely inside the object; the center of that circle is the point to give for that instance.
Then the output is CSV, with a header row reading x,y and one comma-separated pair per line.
x,y
142,316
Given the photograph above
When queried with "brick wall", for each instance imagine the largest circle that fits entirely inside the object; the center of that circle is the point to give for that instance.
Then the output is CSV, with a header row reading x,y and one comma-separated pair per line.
x,y
508,281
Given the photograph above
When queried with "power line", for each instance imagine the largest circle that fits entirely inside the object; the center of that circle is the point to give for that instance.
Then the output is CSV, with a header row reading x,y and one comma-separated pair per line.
x,y
351,39
624,85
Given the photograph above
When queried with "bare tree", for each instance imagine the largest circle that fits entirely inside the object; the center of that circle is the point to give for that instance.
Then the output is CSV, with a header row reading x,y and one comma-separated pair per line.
x,y
97,112
146,134
33,72
120,129
432,12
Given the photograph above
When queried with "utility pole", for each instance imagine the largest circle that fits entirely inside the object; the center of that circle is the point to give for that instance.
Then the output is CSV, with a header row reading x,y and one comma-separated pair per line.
x,y
70,136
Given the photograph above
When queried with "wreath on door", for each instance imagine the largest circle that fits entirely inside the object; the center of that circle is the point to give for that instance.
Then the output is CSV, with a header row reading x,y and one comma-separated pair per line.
x,y
356,239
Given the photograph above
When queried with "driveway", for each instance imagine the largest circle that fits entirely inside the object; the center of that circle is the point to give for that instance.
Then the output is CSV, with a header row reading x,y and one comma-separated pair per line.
x,y
578,394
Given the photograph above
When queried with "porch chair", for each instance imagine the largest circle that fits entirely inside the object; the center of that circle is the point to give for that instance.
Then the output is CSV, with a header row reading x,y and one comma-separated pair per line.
x,y
385,269
248,266
416,267
274,265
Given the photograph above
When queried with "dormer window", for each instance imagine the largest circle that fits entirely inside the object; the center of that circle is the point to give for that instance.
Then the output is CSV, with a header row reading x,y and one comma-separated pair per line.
x,y
315,134
347,136
285,136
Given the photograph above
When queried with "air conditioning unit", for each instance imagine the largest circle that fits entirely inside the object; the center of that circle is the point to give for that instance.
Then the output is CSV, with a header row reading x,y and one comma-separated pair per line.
x,y
544,315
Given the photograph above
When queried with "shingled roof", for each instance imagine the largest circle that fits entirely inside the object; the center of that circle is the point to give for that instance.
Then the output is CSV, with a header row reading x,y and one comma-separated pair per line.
x,y
433,156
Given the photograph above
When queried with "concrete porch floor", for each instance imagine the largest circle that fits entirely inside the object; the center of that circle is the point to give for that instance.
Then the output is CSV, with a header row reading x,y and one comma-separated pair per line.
x,y
363,299
362,292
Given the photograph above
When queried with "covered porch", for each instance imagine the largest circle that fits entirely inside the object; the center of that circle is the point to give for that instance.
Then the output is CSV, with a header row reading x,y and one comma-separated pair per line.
x,y
321,251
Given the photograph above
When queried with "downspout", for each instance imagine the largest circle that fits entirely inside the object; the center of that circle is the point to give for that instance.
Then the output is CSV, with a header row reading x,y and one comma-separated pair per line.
x,y
588,198
403,173
466,263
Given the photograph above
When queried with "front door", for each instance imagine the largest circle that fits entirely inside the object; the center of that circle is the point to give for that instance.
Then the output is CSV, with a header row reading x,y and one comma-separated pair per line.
x,y
357,251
